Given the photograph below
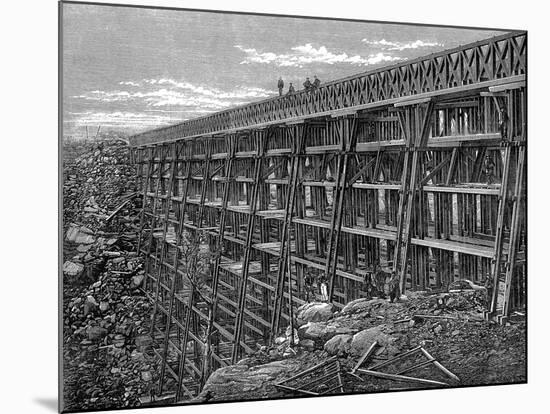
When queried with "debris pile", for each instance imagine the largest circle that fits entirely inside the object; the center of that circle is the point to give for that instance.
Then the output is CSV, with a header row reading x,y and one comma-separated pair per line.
x,y
446,330
100,208
74,148
96,183
105,338
105,332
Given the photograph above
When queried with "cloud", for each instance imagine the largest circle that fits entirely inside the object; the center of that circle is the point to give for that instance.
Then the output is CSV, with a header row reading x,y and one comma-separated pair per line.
x,y
129,83
239,93
161,97
104,96
126,120
400,46
119,119
169,92
150,103
308,54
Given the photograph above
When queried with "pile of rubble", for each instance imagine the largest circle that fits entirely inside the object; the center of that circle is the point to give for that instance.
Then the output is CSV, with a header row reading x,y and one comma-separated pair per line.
x,y
105,313
105,335
449,325
87,251
100,207
96,183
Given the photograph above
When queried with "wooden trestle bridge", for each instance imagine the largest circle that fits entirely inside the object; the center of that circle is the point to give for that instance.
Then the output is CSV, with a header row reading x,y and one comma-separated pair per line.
x,y
418,167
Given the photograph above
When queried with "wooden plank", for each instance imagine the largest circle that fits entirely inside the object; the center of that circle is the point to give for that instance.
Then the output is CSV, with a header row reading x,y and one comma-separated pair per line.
x,y
325,184
439,365
396,358
312,222
458,139
493,190
287,388
434,171
376,145
361,171
507,86
515,230
321,149
370,232
404,378
365,357
497,252
408,100
452,246
377,186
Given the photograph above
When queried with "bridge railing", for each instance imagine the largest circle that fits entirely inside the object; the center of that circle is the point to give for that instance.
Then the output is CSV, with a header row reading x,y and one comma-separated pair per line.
x,y
498,57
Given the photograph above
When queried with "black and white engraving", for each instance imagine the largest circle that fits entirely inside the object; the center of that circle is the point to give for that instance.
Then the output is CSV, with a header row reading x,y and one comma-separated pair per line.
x,y
323,207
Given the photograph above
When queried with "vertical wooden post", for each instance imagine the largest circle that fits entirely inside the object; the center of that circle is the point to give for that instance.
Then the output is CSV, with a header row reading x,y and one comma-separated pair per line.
x,y
258,163
497,254
161,264
150,166
348,138
298,132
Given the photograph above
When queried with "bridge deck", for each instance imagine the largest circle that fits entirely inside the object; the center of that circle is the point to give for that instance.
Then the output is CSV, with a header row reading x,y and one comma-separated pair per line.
x,y
480,65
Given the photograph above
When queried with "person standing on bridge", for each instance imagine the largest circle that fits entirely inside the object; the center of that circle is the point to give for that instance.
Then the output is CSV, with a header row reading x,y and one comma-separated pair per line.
x,y
316,82
291,89
307,85
280,85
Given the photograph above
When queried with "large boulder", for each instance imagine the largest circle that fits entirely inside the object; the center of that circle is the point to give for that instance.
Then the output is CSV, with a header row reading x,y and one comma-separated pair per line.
x,y
96,333
80,235
464,284
238,382
362,305
323,331
137,280
83,238
363,340
339,345
72,232
314,312
72,269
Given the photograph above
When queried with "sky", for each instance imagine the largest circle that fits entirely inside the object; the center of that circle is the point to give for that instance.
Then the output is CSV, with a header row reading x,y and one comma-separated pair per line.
x,y
129,69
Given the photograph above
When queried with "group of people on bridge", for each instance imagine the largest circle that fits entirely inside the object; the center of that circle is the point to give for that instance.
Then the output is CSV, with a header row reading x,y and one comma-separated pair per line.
x,y
308,85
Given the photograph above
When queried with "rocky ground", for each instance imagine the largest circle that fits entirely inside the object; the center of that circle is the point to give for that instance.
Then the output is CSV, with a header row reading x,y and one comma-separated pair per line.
x,y
104,311
449,326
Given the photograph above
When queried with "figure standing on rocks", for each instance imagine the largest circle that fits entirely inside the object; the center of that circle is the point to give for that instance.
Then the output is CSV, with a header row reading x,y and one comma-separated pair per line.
x,y
324,290
395,290
488,289
309,288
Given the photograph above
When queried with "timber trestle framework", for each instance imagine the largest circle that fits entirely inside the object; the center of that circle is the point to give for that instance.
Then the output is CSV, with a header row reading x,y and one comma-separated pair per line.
x,y
418,168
